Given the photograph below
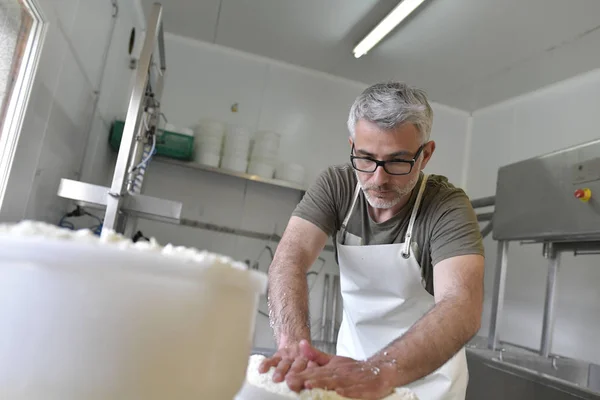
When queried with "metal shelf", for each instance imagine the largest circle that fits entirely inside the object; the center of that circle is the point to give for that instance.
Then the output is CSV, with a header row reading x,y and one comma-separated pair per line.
x,y
222,171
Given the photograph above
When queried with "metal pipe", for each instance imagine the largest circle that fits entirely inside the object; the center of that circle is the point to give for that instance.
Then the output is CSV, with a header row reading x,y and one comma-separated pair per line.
x,y
334,296
132,122
324,308
485,216
499,288
487,229
236,231
483,202
161,47
549,303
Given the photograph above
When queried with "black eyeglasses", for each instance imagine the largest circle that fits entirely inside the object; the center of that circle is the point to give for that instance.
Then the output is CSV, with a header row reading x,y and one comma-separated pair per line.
x,y
392,167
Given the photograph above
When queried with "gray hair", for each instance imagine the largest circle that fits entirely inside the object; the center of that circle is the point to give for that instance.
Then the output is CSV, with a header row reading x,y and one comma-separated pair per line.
x,y
390,105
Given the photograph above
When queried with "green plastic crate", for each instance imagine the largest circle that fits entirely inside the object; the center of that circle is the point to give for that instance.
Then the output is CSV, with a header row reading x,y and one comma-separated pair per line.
x,y
168,144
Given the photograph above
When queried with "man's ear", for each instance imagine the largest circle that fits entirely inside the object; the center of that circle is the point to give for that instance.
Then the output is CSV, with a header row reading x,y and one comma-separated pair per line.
x,y
427,153
350,140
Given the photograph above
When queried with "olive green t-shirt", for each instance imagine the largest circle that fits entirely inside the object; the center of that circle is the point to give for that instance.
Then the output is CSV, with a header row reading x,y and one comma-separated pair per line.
x,y
446,224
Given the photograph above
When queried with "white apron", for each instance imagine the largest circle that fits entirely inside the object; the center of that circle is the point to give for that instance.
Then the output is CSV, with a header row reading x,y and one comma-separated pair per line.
x,y
383,296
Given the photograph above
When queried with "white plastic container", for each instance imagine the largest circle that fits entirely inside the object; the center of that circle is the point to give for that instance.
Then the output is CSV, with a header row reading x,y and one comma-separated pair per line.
x,y
261,152
208,147
268,136
265,148
290,172
89,322
237,142
210,158
209,127
238,164
210,140
209,133
187,131
261,169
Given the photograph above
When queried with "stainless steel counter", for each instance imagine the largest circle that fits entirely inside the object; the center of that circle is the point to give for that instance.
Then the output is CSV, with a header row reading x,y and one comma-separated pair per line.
x,y
516,373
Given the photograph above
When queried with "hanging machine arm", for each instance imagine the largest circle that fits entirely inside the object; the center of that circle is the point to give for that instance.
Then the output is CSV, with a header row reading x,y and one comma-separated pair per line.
x,y
123,197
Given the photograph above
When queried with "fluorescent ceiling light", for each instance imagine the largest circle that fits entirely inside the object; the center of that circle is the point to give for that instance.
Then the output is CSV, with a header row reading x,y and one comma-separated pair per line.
x,y
397,15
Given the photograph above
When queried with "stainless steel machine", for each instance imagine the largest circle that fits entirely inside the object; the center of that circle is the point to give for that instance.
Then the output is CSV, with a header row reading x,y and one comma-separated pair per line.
x,y
554,200
123,201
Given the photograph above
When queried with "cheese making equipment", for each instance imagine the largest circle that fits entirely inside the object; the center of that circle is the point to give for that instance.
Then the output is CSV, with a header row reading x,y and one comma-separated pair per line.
x,y
555,200
552,200
123,200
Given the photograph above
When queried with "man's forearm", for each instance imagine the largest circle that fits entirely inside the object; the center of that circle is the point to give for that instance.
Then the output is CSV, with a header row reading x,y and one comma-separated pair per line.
x,y
433,340
288,289
288,302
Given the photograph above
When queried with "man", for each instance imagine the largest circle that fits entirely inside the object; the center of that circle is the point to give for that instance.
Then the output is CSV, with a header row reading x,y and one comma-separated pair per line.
x,y
410,255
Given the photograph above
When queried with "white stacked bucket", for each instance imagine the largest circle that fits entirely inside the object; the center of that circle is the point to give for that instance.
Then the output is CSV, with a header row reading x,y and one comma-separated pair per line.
x,y
236,149
291,173
208,138
265,152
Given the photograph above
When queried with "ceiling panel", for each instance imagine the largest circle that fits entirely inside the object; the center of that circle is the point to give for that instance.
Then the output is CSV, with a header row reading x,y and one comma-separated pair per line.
x,y
450,45
192,18
306,32
452,48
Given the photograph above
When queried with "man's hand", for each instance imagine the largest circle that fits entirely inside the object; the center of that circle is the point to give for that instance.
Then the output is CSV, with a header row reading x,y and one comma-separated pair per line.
x,y
293,358
348,377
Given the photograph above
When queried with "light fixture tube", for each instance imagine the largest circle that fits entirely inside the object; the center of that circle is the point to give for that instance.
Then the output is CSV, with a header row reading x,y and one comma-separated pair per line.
x,y
397,15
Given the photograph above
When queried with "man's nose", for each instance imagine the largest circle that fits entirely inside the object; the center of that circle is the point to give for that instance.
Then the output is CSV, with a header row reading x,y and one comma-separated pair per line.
x,y
380,176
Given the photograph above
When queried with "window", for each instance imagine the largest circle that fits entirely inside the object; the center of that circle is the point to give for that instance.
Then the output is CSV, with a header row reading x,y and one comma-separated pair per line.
x,y
20,39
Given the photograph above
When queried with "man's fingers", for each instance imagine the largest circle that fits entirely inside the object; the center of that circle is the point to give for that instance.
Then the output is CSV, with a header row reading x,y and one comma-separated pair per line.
x,y
267,363
312,354
299,365
295,382
281,370
312,364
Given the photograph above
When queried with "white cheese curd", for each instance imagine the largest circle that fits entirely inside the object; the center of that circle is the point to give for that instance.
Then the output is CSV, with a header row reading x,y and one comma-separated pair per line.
x,y
265,381
28,228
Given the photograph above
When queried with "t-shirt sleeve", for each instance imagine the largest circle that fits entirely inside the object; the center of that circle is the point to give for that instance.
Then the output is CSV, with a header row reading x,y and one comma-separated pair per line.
x,y
318,203
456,229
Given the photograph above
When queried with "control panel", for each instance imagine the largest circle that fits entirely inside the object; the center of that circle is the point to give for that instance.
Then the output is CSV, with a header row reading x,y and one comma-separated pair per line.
x,y
553,197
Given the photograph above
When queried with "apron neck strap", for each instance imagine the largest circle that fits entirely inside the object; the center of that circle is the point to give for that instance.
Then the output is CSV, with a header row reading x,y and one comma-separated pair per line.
x,y
413,217
356,193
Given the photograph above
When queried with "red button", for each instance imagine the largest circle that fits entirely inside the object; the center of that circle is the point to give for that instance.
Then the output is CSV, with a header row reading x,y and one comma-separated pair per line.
x,y
584,194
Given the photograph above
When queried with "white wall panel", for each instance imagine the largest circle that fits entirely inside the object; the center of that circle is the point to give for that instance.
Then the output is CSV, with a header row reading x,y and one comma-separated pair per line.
x,y
74,94
90,36
99,155
449,132
202,82
64,10
490,146
53,52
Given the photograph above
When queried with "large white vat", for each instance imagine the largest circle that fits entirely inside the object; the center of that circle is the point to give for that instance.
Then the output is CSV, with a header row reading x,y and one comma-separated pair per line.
x,y
91,321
